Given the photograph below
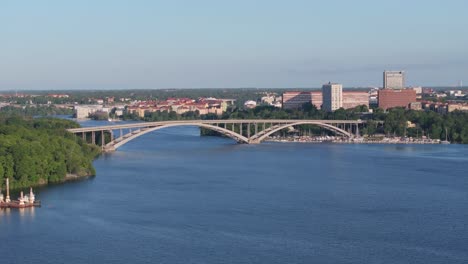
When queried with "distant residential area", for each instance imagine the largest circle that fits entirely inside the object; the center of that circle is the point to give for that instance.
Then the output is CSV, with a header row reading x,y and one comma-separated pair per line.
x,y
332,96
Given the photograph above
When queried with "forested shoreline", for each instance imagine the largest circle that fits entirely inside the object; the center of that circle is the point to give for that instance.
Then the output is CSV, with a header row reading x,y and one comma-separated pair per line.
x,y
40,151
35,110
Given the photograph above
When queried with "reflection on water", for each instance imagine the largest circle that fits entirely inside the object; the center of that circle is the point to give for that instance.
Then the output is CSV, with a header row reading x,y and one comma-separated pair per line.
x,y
27,213
23,213
4,212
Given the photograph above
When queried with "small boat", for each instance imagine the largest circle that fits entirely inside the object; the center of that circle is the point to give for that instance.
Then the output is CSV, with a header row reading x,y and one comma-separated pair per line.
x,y
24,201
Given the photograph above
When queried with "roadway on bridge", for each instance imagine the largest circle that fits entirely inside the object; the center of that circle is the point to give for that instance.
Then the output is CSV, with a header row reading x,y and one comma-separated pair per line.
x,y
212,122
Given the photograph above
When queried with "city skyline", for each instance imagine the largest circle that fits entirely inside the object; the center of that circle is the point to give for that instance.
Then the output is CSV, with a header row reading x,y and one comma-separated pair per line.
x,y
51,45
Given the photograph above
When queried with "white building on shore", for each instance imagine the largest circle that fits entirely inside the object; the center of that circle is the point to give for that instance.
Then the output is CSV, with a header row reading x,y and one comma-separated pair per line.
x,y
83,111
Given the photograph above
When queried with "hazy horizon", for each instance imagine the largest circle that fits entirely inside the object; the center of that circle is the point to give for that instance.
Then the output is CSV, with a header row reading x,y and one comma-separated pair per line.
x,y
91,45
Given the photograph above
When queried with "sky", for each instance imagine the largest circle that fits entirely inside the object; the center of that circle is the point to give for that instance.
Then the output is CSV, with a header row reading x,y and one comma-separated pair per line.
x,y
152,44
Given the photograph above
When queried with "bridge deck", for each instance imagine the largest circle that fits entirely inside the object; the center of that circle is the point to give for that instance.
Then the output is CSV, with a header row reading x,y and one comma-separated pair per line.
x,y
196,122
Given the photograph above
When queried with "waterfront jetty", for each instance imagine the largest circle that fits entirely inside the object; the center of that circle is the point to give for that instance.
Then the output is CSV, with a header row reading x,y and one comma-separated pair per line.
x,y
357,140
24,201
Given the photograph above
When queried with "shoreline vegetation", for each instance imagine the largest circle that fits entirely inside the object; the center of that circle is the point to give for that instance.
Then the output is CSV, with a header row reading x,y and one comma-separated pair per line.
x,y
39,151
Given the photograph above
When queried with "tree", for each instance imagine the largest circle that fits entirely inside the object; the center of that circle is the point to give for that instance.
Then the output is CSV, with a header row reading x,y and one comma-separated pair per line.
x,y
34,151
464,135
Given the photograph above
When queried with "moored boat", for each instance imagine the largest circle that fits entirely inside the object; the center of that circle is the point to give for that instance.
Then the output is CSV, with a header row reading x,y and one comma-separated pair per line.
x,y
446,138
24,201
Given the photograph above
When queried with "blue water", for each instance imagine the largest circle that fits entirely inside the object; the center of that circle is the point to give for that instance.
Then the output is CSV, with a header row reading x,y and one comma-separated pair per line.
x,y
174,197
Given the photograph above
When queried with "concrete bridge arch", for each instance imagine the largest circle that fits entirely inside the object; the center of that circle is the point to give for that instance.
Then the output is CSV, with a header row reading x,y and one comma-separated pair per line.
x,y
231,134
262,136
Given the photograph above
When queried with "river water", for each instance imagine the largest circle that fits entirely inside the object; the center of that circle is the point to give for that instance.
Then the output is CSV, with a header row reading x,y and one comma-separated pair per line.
x,y
172,196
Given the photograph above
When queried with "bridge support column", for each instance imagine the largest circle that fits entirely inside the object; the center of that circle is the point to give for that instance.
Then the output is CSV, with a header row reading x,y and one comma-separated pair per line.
x,y
108,149
111,135
240,129
84,136
93,137
121,133
232,127
357,130
248,130
256,128
102,140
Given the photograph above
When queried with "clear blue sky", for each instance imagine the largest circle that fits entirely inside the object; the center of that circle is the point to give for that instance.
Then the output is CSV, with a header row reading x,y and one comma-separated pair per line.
x,y
94,44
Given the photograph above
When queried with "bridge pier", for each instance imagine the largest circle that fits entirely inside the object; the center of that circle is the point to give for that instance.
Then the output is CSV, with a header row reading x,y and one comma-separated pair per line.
x,y
108,149
93,137
102,140
254,141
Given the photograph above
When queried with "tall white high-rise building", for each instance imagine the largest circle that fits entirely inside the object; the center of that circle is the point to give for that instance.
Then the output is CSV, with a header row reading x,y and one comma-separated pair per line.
x,y
332,96
394,80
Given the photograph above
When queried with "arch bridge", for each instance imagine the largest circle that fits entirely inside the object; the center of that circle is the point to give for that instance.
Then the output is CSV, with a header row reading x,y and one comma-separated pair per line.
x,y
249,131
